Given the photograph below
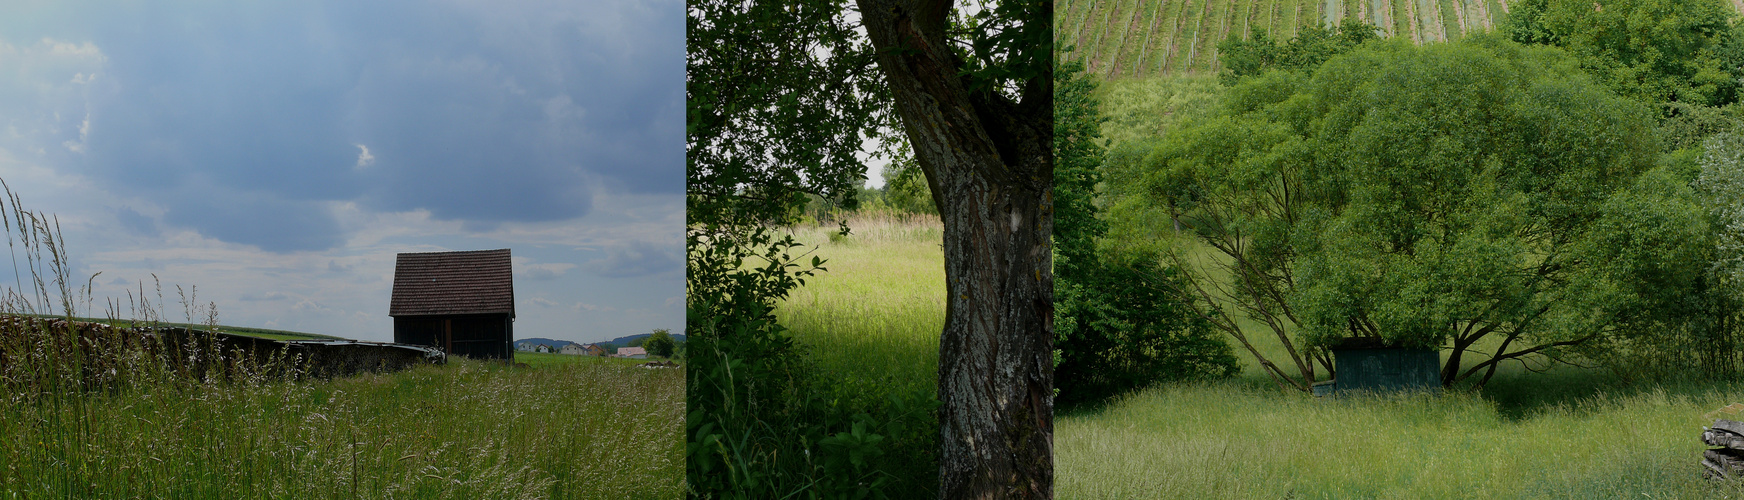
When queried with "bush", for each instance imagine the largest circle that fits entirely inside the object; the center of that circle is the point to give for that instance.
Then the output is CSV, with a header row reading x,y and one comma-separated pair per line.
x,y
1120,327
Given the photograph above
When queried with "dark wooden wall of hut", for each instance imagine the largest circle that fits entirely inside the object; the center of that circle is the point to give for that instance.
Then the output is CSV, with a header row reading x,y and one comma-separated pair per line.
x,y
483,336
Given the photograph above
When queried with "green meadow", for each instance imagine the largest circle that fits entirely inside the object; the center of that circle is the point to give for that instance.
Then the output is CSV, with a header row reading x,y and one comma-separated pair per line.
x,y
872,323
575,428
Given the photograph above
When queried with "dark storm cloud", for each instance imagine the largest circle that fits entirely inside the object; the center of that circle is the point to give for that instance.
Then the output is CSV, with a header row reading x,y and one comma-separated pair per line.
x,y
243,119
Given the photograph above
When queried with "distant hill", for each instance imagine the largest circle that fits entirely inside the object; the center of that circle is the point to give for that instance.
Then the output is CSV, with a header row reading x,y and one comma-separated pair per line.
x,y
545,341
620,341
624,341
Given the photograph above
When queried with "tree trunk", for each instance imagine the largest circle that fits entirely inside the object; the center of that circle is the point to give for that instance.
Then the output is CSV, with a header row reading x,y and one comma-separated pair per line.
x,y
989,162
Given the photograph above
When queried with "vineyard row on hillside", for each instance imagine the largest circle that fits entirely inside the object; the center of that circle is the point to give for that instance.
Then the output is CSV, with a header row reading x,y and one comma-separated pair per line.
x,y
1124,38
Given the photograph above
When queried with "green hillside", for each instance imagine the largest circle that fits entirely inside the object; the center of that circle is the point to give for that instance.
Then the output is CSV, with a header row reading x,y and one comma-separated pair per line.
x,y
1126,38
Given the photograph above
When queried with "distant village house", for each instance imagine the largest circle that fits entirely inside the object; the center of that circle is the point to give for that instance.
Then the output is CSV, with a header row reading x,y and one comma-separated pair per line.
x,y
573,349
632,352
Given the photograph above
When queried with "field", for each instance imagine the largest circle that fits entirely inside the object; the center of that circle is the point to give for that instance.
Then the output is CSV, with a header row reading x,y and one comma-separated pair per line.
x,y
1136,38
572,428
1243,440
873,321
871,325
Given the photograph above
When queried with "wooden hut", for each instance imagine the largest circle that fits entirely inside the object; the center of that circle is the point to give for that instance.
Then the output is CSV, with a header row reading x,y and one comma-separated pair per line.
x,y
1368,364
462,302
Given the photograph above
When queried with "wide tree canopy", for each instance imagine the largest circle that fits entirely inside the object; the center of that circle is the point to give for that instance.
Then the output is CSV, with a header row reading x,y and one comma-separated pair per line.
x,y
1433,196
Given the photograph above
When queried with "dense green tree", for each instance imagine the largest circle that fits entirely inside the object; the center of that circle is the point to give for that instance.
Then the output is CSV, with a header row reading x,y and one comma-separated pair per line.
x,y
1713,337
1433,197
660,343
1656,51
905,187
1118,321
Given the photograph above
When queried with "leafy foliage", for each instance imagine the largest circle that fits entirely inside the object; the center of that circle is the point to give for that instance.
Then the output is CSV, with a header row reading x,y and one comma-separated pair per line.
x,y
1119,324
778,96
1304,52
905,188
756,425
1433,197
660,343
1656,51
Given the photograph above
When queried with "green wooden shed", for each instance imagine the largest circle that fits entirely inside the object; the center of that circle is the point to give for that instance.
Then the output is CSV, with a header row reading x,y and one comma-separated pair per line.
x,y
1369,364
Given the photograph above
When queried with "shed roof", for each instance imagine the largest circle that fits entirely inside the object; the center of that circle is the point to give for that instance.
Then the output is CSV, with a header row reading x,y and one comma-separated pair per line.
x,y
443,283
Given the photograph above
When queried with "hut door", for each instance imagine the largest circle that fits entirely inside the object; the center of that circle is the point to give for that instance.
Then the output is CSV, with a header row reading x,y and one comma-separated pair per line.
x,y
448,335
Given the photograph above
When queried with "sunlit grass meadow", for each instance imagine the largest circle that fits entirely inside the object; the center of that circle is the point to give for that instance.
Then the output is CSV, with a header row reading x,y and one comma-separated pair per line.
x,y
871,327
873,322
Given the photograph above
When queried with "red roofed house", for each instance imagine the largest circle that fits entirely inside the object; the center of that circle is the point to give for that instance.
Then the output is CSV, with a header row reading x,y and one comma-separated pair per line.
x,y
462,302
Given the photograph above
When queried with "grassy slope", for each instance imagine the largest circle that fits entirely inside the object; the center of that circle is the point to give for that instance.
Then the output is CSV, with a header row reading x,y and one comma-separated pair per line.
x,y
1566,433
465,430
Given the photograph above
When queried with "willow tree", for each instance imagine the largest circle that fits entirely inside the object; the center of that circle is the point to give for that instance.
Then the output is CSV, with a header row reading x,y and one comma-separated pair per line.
x,y
1432,197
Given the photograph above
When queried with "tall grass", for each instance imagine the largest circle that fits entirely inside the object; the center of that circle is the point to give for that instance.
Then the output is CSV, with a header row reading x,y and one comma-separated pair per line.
x,y
872,323
94,411
470,429
871,326
1239,440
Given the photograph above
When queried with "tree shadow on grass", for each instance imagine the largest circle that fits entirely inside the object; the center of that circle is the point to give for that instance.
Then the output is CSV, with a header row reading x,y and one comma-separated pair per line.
x,y
1520,394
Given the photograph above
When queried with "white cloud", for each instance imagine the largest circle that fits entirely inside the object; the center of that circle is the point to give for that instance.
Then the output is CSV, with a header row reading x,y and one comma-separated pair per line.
x,y
43,86
364,159
84,133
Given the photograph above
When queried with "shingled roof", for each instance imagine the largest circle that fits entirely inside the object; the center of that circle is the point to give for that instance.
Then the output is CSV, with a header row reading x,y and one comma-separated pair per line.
x,y
441,283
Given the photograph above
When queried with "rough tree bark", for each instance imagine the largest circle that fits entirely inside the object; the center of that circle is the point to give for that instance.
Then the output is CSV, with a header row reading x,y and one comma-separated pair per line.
x,y
989,161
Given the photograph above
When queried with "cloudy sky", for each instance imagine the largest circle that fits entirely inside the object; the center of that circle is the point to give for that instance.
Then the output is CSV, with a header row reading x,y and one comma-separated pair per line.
x,y
277,155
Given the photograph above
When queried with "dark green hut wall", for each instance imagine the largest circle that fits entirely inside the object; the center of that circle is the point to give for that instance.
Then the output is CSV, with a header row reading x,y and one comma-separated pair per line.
x,y
1387,369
